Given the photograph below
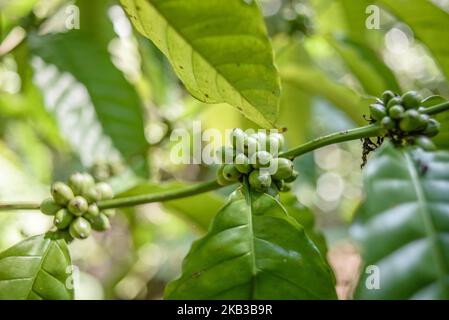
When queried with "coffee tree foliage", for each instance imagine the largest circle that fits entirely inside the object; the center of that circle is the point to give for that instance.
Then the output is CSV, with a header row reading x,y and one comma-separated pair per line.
x,y
93,94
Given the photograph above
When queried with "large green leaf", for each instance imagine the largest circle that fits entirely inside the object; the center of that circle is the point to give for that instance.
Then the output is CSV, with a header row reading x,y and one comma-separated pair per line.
x,y
429,23
198,209
306,218
97,109
403,224
36,268
253,250
219,49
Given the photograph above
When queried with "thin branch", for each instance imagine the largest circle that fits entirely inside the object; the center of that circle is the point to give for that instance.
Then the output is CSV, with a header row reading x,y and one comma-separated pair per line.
x,y
160,196
337,137
19,206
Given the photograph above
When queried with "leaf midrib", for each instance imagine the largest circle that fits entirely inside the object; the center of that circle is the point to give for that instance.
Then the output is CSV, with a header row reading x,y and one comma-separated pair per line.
x,y
41,263
254,269
194,49
429,225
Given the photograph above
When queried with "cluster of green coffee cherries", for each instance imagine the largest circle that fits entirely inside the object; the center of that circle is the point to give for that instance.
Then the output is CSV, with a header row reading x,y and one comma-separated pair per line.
x,y
403,119
255,156
74,205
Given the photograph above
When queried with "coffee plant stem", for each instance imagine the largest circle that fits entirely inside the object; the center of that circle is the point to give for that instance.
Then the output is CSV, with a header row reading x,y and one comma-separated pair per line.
x,y
161,196
19,206
437,108
337,137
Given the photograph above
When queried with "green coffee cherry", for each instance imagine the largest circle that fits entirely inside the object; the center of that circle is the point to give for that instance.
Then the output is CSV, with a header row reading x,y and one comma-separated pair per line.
x,y
261,159
78,206
280,184
394,101
252,146
80,228
49,207
423,121
432,129
62,219
396,112
220,176
92,195
76,183
231,173
61,193
100,223
104,190
387,123
425,143
238,138
242,163
284,168
259,181
410,121
411,100
292,177
378,111
280,138
109,213
226,154
387,96
92,212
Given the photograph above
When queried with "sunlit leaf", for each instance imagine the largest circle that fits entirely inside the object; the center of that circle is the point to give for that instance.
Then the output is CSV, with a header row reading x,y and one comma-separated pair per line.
x,y
219,49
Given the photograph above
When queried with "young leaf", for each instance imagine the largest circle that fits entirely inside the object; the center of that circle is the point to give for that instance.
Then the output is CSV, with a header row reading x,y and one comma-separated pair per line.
x,y
403,224
36,268
253,250
219,49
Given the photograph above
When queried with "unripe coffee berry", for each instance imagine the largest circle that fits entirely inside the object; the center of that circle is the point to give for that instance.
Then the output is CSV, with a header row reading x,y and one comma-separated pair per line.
x,y
261,159
49,207
242,163
283,167
378,111
411,100
396,112
100,223
259,180
80,228
78,206
61,193
104,190
62,219
231,173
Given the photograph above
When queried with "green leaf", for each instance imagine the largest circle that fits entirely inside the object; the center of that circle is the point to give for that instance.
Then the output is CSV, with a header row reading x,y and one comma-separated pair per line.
x,y
429,23
198,209
98,111
374,76
314,82
36,268
306,218
253,250
403,224
442,139
219,49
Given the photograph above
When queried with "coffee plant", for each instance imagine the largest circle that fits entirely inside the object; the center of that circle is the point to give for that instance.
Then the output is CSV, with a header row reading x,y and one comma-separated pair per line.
x,y
95,96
